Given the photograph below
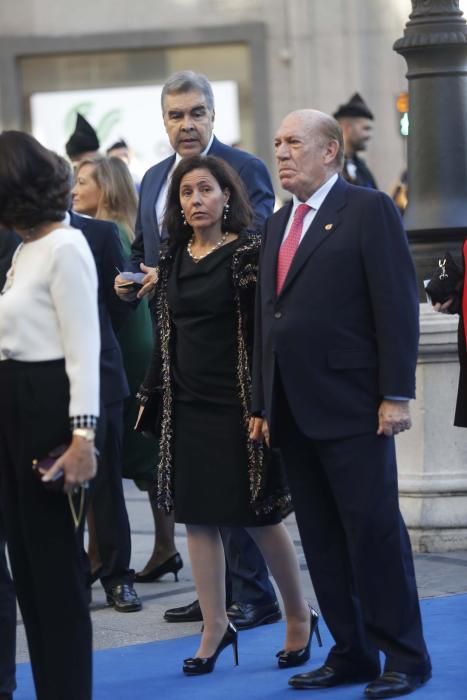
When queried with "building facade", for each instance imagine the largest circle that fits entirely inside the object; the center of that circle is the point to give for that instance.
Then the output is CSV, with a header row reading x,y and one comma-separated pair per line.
x,y
281,54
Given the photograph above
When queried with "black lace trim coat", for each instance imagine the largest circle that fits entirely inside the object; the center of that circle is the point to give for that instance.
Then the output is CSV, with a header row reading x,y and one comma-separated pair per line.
x,y
267,485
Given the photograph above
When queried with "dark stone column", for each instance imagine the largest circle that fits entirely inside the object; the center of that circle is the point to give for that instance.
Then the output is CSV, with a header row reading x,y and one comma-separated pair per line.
x,y
435,48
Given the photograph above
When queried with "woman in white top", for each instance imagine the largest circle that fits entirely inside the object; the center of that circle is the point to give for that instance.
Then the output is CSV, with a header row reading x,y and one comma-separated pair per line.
x,y
49,396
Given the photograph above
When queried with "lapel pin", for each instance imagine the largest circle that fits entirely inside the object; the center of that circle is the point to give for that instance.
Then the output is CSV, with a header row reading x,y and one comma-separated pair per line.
x,y
328,227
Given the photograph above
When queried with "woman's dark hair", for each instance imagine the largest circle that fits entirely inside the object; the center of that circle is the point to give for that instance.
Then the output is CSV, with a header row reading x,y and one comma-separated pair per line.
x,y
35,183
240,213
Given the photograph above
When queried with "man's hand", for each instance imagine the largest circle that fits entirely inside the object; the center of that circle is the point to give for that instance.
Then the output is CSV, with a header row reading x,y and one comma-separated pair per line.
x,y
130,292
258,430
124,291
443,308
149,281
393,417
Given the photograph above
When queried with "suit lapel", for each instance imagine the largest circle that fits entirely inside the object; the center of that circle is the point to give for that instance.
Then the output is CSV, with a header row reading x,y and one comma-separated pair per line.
x,y
323,226
161,176
215,147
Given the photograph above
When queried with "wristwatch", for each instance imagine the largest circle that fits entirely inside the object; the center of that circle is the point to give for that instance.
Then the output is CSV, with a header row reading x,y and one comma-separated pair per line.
x,y
87,433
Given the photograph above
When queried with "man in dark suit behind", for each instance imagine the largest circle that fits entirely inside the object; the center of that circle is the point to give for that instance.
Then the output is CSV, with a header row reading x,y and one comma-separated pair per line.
x,y
188,110
335,357
356,121
109,514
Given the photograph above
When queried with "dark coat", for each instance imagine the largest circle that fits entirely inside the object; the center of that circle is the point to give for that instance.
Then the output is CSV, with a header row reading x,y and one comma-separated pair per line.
x,y
104,241
253,172
363,175
267,488
343,332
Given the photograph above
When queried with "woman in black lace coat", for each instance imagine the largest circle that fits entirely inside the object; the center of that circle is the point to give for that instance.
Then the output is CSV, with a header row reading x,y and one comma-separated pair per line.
x,y
210,473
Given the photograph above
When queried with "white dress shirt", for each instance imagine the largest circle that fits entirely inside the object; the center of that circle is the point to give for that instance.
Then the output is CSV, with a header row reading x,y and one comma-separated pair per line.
x,y
315,201
48,311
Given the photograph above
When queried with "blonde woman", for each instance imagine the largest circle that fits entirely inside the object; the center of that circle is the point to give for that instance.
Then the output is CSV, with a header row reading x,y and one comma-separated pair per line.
x,y
104,189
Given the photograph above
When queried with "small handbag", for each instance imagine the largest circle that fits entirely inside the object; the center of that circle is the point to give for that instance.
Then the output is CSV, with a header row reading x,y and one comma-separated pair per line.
x,y
42,466
150,414
446,282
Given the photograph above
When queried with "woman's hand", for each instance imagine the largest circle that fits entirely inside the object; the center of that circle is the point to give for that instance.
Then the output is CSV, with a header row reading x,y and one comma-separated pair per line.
x,y
258,429
78,463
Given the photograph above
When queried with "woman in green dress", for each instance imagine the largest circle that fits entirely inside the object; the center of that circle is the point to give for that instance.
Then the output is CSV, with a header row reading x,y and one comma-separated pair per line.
x,y
104,189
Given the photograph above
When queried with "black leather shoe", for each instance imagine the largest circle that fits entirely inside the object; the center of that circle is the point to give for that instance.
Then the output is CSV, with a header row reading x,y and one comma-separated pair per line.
x,y
169,566
123,598
392,684
186,613
325,677
246,615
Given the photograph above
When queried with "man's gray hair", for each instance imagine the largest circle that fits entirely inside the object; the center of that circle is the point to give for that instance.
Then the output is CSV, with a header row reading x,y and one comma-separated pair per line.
x,y
187,81
330,130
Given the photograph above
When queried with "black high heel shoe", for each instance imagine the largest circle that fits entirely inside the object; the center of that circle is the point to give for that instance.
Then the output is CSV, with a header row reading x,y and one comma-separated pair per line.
x,y
169,566
289,659
196,666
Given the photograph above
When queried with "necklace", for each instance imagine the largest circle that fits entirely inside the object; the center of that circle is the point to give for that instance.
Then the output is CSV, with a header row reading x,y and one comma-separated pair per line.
x,y
197,258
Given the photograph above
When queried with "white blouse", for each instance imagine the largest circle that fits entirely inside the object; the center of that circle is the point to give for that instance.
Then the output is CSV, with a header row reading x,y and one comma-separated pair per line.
x,y
48,311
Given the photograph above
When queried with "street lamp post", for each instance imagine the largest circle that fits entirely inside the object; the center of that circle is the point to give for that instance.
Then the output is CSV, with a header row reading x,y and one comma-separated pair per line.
x,y
432,456
435,48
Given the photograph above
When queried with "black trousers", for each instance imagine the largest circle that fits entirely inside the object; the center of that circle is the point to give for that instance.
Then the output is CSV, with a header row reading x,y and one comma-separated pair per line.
x,y
7,621
112,527
45,552
247,576
357,548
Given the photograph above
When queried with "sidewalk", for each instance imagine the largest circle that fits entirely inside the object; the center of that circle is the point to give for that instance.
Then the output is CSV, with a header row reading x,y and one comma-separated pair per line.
x,y
437,574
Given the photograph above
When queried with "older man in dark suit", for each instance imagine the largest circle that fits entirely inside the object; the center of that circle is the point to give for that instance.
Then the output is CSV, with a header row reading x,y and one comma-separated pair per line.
x,y
335,357
188,112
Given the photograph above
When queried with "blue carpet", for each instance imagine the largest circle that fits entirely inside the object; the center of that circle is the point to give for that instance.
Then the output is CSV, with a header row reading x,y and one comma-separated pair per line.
x,y
151,671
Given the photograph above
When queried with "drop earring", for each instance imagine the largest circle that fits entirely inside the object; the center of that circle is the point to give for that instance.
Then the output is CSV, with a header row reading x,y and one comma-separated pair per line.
x,y
226,212
183,217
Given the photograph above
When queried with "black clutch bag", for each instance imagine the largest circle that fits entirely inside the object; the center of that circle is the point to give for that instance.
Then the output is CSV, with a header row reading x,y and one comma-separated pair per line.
x,y
149,416
446,282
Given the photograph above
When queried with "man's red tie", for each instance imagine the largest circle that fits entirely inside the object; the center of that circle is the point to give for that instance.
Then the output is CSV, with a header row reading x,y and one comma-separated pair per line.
x,y
289,246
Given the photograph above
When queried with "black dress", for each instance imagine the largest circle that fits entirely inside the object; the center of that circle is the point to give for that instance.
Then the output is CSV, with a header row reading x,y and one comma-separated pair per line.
x,y
211,484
